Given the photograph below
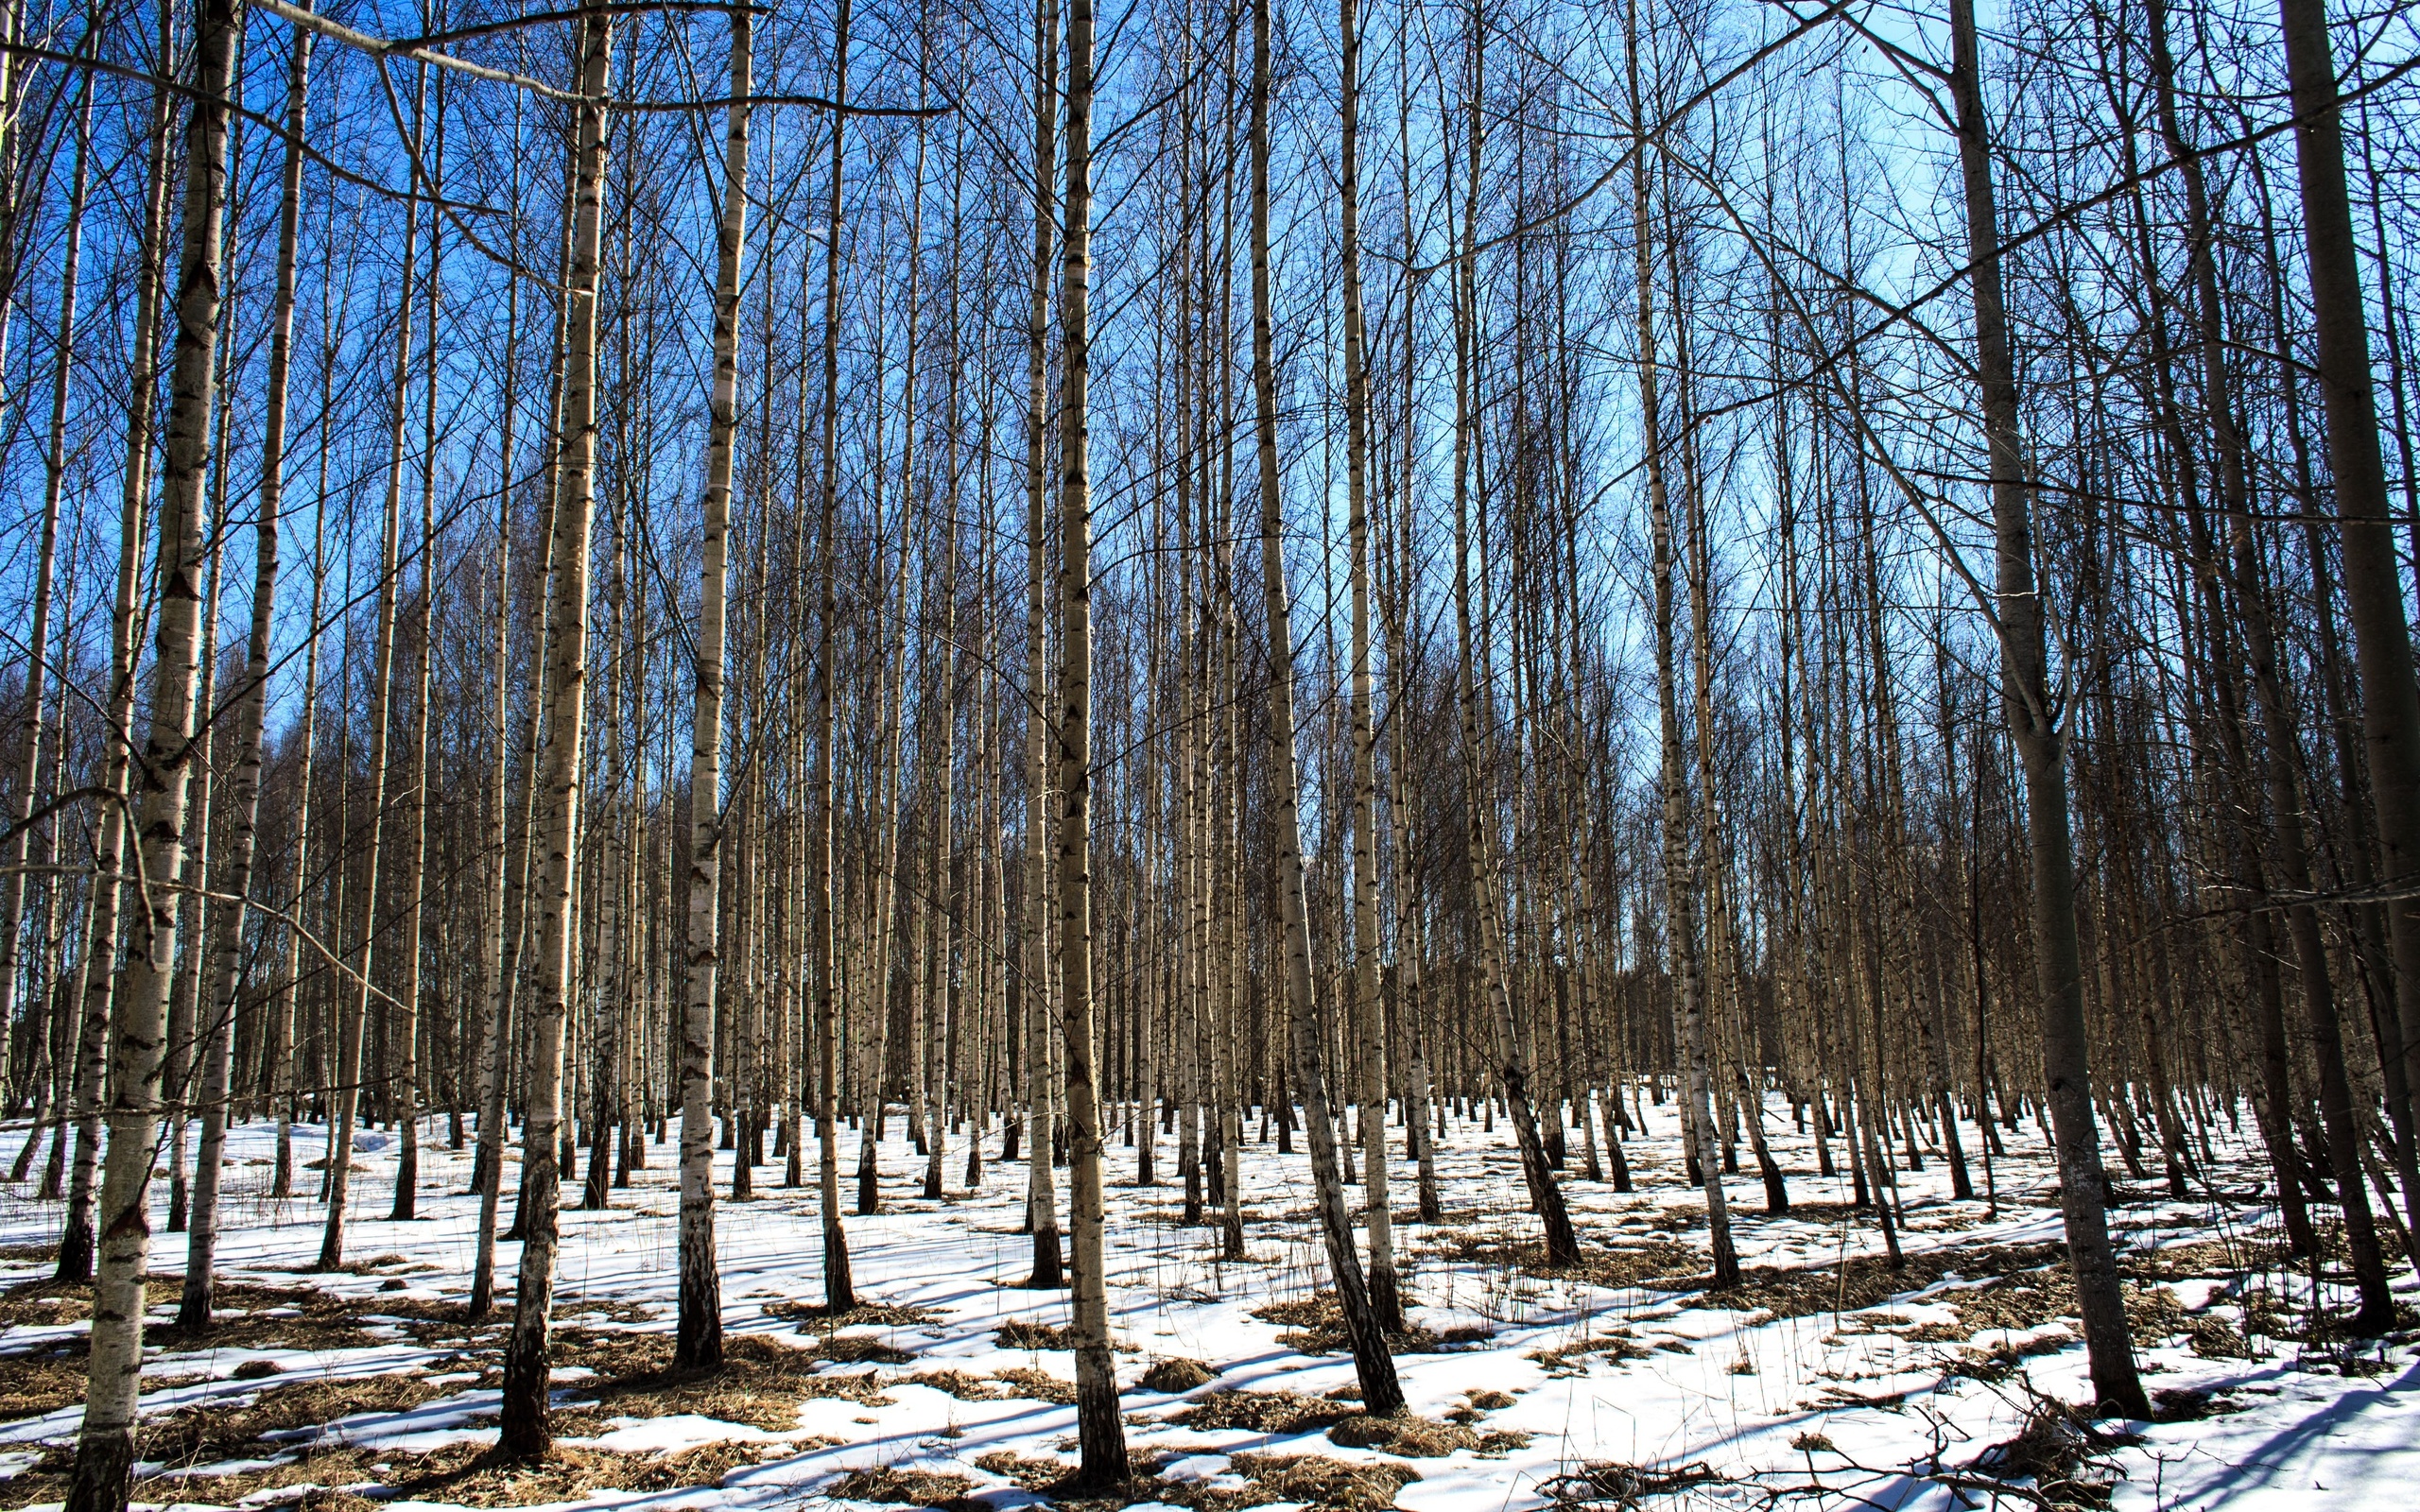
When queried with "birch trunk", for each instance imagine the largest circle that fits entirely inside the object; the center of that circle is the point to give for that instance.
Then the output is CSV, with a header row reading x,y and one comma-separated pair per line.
x,y
840,1295
527,1368
1100,1432
698,1341
251,698
1370,1017
98,972
104,1443
1381,1395
355,1006
1041,1201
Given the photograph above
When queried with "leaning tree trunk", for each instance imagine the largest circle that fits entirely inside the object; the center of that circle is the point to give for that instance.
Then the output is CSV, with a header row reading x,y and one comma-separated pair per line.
x,y
1381,1393
2032,718
527,1368
1100,1433
105,1445
698,1341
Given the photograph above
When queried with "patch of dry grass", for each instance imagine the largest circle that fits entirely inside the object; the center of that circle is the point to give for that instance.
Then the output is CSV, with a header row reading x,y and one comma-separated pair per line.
x,y
1040,1386
1319,1483
1650,1262
902,1488
1316,1482
1865,1282
1018,1333
1315,1325
1260,1412
762,1381
956,1382
1176,1376
1572,1359
864,1314
1416,1437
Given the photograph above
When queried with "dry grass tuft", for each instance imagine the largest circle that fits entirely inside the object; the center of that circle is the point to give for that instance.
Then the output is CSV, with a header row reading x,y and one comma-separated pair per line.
x,y
1420,1437
1572,1359
2154,1313
475,1475
865,1314
1616,1267
858,1349
956,1382
1040,1386
2001,1360
1866,1282
1034,1474
1175,1376
2060,1452
1319,1483
761,1383
31,1385
1316,1325
903,1487
1018,1333
1260,1412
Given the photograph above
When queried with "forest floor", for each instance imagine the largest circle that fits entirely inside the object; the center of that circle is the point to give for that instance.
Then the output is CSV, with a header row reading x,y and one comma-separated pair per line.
x,y
1827,1380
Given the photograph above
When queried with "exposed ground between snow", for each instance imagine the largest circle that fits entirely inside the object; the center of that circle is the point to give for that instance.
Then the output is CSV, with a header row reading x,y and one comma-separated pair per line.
x,y
1827,1380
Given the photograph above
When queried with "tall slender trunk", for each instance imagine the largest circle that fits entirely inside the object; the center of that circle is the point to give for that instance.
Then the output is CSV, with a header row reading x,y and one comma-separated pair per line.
x,y
1100,1433
2372,582
1512,1060
495,989
403,1077
1381,1393
2033,725
105,1444
98,972
840,1295
28,770
697,1343
353,1012
1042,1201
1370,1017
251,698
527,1367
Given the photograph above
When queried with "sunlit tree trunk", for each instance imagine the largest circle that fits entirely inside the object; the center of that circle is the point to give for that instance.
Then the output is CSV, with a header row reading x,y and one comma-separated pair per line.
x,y
527,1365
105,1444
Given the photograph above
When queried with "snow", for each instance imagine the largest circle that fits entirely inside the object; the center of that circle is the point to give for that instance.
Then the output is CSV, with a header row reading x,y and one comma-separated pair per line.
x,y
1876,1412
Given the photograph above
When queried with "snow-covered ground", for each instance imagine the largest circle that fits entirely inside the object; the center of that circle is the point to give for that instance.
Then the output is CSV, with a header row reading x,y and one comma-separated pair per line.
x,y
1551,1384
